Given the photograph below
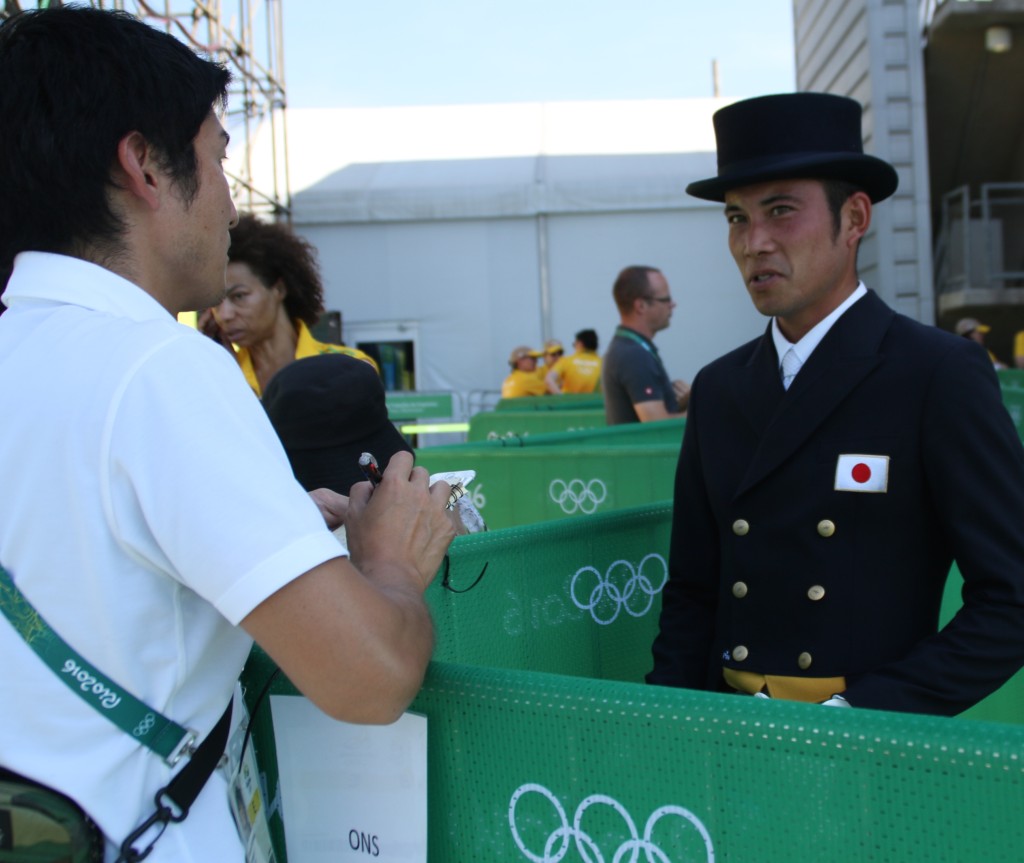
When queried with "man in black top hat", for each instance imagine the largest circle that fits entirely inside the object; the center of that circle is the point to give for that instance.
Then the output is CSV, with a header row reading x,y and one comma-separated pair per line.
x,y
833,469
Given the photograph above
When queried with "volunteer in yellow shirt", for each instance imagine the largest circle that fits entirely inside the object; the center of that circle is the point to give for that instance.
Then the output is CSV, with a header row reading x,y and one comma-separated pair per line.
x,y
523,380
580,372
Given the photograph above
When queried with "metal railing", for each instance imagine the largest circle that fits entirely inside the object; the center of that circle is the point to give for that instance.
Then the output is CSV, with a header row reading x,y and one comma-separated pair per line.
x,y
980,242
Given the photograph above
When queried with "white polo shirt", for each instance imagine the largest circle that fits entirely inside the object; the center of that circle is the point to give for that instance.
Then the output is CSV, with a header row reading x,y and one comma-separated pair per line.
x,y
146,508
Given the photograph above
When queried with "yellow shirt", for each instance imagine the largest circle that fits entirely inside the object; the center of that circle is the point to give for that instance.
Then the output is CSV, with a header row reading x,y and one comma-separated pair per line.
x,y
521,383
579,373
306,346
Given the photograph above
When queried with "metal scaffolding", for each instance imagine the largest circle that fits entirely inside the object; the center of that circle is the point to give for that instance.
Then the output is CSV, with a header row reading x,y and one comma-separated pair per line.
x,y
246,36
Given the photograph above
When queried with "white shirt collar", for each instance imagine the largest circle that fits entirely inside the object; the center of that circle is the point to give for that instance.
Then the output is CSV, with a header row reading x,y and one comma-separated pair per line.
x,y
805,347
41,276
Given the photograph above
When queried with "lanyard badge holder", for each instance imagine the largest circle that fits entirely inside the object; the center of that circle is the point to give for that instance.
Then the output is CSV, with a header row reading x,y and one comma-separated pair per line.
x,y
150,728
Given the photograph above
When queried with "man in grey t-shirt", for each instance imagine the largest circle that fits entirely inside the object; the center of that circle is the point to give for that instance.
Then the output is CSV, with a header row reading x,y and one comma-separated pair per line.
x,y
636,386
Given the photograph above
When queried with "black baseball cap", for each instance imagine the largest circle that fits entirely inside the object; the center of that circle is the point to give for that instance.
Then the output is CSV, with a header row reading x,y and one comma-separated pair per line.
x,y
328,410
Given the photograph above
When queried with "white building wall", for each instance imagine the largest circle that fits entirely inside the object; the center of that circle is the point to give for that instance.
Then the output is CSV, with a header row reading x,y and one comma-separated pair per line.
x,y
870,50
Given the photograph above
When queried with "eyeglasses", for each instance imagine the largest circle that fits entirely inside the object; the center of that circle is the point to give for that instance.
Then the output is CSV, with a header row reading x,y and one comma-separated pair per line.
x,y
658,299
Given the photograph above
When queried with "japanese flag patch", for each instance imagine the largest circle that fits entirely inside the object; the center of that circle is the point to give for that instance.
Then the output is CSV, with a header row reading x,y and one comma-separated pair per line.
x,y
862,473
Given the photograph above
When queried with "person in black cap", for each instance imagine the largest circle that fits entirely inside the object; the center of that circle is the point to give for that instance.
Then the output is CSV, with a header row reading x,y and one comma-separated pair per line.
x,y
328,410
834,468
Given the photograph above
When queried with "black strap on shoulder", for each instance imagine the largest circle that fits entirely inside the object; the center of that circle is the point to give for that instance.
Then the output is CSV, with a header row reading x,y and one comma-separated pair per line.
x,y
174,800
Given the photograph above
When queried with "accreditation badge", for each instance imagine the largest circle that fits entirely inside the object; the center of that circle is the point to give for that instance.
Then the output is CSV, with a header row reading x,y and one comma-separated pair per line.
x,y
868,473
246,788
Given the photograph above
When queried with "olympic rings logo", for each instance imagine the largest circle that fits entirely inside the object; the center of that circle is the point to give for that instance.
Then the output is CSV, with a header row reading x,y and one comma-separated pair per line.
x,y
621,587
578,495
557,844
145,726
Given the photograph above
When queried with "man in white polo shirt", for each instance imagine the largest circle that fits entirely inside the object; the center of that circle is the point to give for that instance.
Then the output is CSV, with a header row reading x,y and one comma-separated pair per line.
x,y
833,469
149,513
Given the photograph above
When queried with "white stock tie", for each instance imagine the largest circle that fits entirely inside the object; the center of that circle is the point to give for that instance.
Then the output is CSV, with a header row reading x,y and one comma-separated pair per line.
x,y
790,366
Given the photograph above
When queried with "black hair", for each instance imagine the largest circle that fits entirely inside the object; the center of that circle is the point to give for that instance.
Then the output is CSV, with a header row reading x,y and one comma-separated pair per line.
x,y
76,80
274,253
837,193
587,338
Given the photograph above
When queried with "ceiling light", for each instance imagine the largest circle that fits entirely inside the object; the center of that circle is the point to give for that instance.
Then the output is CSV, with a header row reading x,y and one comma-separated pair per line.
x,y
998,39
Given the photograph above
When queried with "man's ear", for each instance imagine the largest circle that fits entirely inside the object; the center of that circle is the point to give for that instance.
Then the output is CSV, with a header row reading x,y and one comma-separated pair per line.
x,y
139,170
856,216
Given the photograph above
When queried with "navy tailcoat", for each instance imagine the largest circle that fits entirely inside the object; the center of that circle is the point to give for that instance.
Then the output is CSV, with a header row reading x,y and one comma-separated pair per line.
x,y
773,554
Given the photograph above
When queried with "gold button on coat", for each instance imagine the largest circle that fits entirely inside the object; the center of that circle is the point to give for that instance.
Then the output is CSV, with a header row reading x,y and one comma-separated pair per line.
x,y
826,527
740,652
740,527
739,590
815,592
804,660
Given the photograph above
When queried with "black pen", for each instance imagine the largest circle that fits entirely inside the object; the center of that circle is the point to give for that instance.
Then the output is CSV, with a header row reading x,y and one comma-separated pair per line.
x,y
371,470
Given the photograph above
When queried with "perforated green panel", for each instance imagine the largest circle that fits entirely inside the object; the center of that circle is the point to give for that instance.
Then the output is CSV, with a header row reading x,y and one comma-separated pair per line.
x,y
629,434
532,766
517,486
488,425
563,402
576,596
518,759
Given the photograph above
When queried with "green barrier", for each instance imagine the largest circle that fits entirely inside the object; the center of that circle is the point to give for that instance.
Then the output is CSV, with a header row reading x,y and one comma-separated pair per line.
x,y
524,766
1005,704
516,486
561,402
488,425
1013,399
544,745
1011,378
628,434
575,596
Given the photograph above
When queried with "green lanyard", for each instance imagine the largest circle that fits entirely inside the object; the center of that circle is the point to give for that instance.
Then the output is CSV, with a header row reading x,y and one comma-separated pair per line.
x,y
166,738
640,340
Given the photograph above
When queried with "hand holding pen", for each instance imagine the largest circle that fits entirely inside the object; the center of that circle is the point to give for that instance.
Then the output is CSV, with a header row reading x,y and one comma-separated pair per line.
x,y
397,521
371,470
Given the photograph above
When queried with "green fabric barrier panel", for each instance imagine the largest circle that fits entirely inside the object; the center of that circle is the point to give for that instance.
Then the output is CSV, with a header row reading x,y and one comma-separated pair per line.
x,y
523,486
1006,704
575,596
527,766
1011,378
628,434
489,425
562,402
1013,399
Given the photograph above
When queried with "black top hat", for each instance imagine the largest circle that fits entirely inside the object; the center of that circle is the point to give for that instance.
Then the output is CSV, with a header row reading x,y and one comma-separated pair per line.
x,y
793,135
328,410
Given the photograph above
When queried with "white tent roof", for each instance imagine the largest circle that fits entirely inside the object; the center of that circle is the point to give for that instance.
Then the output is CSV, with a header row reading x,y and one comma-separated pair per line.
x,y
502,187
323,142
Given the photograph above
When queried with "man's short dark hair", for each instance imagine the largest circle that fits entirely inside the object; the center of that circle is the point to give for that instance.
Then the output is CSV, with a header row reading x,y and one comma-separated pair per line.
x,y
632,284
274,253
75,81
587,338
837,193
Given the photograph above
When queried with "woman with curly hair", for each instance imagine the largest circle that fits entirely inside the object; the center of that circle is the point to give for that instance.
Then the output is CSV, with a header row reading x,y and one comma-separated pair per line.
x,y
274,295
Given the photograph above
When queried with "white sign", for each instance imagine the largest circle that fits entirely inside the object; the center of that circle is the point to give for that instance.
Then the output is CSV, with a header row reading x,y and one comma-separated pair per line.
x,y
350,792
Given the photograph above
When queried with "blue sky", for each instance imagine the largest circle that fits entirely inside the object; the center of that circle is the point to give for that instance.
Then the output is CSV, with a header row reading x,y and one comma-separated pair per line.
x,y
362,53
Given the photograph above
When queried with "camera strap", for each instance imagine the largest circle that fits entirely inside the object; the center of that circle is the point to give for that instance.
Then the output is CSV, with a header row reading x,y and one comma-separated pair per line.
x,y
149,727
